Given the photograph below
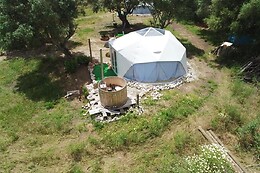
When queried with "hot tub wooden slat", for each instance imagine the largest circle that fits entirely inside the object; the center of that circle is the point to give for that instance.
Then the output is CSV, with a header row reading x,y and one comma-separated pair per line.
x,y
113,99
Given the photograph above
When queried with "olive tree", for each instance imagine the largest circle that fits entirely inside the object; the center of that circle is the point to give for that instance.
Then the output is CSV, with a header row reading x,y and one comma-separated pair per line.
x,y
31,23
164,11
122,7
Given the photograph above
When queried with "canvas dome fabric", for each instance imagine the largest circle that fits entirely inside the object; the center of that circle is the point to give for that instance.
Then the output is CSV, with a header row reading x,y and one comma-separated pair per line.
x,y
148,55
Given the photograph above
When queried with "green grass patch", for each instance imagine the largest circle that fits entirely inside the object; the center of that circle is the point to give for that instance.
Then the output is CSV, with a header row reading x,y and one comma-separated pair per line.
x,y
212,37
84,32
241,90
44,158
249,136
149,101
30,100
136,130
76,168
107,71
230,119
182,141
76,150
190,48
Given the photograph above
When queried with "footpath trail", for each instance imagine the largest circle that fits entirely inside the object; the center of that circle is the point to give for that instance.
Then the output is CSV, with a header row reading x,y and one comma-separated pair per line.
x,y
194,39
2,58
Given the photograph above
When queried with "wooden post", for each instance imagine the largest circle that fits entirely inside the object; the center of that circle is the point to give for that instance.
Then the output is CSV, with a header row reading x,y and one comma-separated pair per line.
x,y
137,100
113,17
90,51
101,61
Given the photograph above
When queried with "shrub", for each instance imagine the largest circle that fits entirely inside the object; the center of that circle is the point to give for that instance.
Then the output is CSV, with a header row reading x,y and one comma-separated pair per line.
x,y
82,59
211,159
49,105
71,65
249,136
241,90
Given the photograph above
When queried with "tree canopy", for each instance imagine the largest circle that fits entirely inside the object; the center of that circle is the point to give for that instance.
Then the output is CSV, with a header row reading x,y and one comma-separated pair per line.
x,y
123,8
32,23
237,17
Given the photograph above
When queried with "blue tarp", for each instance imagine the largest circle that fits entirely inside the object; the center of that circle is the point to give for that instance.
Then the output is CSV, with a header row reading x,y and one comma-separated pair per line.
x,y
240,40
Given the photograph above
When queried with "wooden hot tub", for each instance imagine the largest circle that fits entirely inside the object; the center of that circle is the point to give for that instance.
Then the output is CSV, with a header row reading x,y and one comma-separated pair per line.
x,y
112,92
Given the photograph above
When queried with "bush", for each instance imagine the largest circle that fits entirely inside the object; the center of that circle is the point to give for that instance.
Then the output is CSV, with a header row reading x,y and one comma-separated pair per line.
x,y
49,105
82,59
71,65
249,136
211,158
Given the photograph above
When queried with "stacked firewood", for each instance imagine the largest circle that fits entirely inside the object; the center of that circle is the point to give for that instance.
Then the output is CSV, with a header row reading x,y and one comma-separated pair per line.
x,y
251,70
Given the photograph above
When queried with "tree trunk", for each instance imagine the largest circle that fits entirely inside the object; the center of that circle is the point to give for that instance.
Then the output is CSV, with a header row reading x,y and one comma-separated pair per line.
x,y
65,50
123,18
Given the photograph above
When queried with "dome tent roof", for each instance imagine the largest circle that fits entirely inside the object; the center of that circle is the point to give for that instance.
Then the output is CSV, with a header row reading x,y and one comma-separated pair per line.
x,y
149,46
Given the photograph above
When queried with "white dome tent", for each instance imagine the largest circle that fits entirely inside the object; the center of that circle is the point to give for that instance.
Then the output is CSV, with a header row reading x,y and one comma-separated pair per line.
x,y
148,55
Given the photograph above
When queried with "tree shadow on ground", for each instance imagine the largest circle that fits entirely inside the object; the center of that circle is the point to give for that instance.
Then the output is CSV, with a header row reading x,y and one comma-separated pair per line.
x,y
73,44
40,84
48,81
191,50
214,38
47,50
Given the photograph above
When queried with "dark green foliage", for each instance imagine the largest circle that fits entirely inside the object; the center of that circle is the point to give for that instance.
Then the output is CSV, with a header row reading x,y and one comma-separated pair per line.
x,y
27,24
82,59
249,136
203,10
123,8
71,65
235,17
164,11
222,14
248,23
49,105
